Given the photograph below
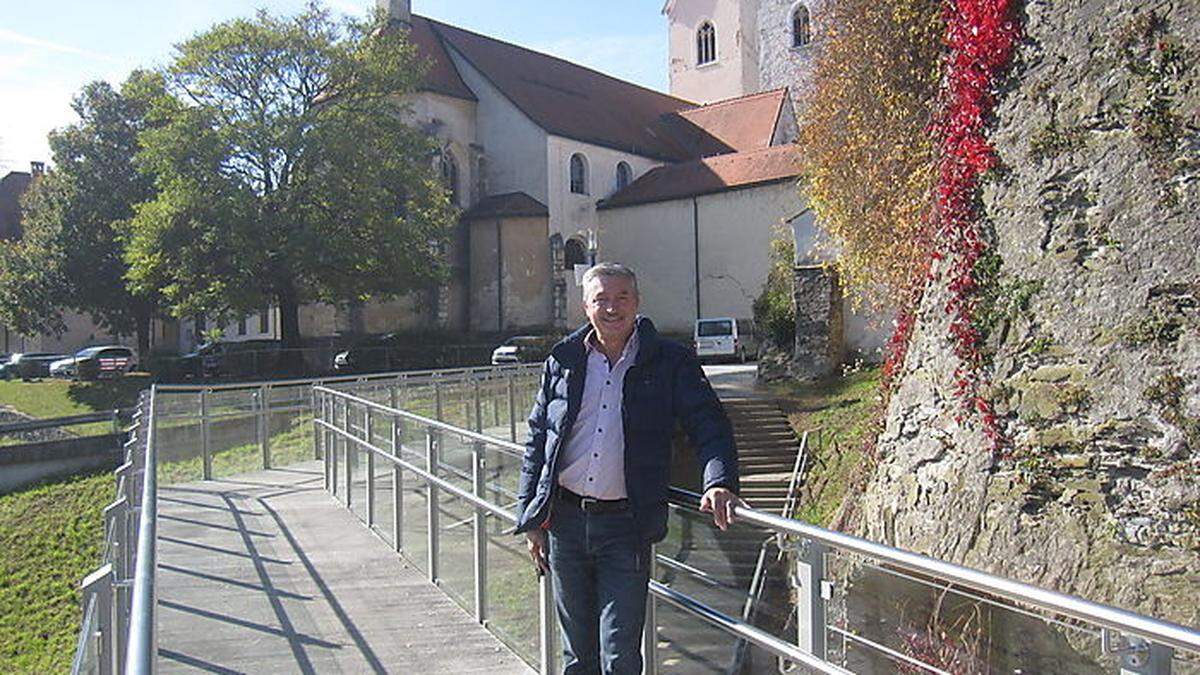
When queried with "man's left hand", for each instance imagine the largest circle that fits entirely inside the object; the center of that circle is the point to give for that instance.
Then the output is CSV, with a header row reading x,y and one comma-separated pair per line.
x,y
720,501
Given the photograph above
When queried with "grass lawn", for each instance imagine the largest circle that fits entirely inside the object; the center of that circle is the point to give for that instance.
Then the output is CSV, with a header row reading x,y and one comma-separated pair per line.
x,y
845,408
49,398
50,538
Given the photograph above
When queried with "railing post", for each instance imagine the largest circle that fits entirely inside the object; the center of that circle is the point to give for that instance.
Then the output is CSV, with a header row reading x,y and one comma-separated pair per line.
x,y
650,628
1140,657
264,423
437,399
368,419
320,414
205,443
810,597
478,396
397,481
350,450
431,461
546,624
334,439
479,485
99,585
512,410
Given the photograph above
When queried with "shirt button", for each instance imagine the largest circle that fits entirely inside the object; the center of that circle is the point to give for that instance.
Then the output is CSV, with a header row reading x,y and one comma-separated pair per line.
x,y
604,407
591,479
607,382
599,431
595,454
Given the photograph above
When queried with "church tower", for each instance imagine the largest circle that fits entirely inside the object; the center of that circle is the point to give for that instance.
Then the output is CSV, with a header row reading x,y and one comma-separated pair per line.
x,y
397,11
714,53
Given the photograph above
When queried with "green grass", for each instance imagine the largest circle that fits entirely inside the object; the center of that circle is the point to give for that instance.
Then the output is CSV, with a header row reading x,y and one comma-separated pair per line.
x,y
845,409
48,398
288,447
50,538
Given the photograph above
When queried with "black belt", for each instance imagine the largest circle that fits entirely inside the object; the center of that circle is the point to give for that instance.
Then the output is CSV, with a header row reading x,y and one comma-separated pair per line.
x,y
592,505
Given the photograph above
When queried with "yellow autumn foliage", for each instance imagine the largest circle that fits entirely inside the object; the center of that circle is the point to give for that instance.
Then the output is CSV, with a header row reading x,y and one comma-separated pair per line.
x,y
869,152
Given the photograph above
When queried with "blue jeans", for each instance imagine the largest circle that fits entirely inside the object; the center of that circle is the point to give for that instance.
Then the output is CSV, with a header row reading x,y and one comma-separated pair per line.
x,y
600,568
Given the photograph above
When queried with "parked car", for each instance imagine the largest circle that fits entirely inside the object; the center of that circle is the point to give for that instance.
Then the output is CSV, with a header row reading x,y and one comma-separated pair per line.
x,y
524,349
31,365
94,363
370,354
725,338
249,358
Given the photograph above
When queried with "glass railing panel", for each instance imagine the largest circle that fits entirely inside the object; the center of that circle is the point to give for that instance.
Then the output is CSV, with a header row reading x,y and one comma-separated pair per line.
x,y
180,450
87,661
415,511
512,594
456,546
384,504
688,645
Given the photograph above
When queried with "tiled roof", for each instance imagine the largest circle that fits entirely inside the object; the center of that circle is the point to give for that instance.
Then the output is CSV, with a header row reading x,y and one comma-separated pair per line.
x,y
710,175
571,101
12,187
509,205
744,123
442,77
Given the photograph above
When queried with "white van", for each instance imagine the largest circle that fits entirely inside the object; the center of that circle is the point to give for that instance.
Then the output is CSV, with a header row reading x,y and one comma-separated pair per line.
x,y
725,338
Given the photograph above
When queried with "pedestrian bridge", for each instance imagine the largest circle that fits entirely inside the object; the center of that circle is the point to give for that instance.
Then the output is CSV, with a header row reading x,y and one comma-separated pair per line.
x,y
360,525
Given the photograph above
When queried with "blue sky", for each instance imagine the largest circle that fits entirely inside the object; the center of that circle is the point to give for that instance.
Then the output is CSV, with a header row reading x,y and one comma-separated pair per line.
x,y
48,51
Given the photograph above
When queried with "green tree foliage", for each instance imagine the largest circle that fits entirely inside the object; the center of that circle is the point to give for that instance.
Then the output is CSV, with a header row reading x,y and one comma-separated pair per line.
x,y
288,172
774,308
71,255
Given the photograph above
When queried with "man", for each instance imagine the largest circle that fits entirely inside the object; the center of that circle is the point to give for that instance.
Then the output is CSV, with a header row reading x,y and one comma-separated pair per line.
x,y
593,490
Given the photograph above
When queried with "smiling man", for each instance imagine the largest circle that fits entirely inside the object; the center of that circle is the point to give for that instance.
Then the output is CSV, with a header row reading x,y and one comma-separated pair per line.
x,y
593,491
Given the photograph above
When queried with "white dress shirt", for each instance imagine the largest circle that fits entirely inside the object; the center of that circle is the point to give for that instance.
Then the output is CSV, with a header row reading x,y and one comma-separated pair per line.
x,y
593,461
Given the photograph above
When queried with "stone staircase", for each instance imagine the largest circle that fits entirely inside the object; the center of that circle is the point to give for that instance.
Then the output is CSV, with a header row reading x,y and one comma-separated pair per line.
x,y
767,449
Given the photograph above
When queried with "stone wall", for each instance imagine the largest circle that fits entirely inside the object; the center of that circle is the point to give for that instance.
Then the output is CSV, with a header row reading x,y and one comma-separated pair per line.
x,y
1093,324
819,326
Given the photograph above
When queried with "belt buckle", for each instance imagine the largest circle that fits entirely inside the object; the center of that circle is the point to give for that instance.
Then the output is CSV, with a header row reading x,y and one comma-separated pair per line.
x,y
586,502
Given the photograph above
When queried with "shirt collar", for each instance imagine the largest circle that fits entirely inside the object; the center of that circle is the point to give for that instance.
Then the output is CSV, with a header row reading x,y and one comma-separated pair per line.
x,y
631,345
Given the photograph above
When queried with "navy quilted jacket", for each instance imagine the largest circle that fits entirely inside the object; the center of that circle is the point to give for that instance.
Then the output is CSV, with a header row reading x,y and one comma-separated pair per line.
x,y
664,386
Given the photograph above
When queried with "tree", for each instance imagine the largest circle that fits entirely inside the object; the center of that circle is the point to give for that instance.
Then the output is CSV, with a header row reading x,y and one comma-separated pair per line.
x,y
287,172
71,255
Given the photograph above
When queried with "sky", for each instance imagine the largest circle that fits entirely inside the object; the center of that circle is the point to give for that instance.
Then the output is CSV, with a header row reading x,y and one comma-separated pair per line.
x,y
49,51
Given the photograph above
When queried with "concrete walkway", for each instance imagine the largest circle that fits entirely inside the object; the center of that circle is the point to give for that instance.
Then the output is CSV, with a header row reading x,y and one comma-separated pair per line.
x,y
265,573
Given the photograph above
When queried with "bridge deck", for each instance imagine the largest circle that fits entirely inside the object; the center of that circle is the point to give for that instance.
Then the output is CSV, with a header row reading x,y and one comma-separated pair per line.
x,y
265,573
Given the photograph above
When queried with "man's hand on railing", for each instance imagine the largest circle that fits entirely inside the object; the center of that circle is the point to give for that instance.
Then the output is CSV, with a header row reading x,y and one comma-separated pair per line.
x,y
720,501
536,542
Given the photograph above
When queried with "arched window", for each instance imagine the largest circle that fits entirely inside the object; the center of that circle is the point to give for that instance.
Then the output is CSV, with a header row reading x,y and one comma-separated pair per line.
x,y
706,44
801,27
574,254
624,175
578,174
450,175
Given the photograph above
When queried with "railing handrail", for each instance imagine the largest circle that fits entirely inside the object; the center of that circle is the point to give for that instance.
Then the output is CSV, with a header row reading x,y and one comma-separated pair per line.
x,y
1156,630
141,650
424,421
55,422
335,379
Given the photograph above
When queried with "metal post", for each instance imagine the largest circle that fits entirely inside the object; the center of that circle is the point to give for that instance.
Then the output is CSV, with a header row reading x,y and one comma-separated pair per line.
x,y
350,450
437,400
333,446
479,485
431,452
811,594
99,585
397,482
205,447
264,421
650,628
368,418
546,624
320,413
478,405
1137,655
512,410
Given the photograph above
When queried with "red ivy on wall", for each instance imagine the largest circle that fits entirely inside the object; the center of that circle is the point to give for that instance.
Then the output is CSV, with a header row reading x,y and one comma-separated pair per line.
x,y
981,37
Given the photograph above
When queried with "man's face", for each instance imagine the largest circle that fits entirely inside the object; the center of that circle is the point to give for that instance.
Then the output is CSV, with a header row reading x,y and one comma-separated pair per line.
x,y
611,305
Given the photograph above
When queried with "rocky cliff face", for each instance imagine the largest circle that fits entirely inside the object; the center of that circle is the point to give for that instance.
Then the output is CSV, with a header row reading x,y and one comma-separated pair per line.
x,y
1092,311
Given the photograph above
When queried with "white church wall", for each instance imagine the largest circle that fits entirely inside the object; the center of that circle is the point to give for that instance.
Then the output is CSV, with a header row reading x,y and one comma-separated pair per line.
x,y
453,121
573,215
735,71
515,147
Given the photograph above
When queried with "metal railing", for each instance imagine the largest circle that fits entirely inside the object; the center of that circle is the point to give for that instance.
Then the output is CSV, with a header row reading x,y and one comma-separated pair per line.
x,y
450,455
348,425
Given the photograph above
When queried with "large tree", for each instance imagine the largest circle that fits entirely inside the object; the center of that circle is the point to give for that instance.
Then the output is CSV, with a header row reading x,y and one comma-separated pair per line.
x,y
71,255
287,171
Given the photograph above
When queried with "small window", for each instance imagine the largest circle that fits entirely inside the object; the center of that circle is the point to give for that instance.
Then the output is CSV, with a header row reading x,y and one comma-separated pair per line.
x,y
264,320
706,44
242,328
578,175
574,254
450,175
624,175
801,27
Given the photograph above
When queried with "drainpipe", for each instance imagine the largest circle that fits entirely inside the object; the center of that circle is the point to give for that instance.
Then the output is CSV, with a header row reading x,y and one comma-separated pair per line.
x,y
696,250
499,277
